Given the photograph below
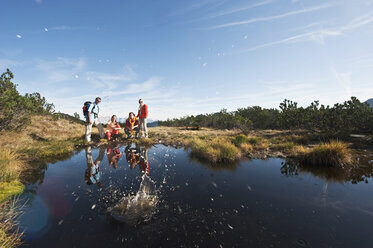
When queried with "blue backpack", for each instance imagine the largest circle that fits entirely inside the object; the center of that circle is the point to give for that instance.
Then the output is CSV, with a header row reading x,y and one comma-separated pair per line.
x,y
86,107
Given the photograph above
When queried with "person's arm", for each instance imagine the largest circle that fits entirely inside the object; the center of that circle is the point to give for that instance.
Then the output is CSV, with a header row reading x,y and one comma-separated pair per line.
x,y
136,124
146,110
118,127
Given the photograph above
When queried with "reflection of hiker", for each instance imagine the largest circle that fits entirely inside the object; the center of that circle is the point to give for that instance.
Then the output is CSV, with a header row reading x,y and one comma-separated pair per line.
x,y
112,128
144,163
93,174
132,126
90,111
113,155
132,156
143,114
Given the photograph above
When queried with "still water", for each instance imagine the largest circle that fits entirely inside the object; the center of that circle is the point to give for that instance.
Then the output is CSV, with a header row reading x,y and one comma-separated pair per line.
x,y
129,196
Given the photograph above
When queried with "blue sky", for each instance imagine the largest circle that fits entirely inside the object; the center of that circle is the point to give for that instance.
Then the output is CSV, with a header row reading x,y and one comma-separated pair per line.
x,y
188,57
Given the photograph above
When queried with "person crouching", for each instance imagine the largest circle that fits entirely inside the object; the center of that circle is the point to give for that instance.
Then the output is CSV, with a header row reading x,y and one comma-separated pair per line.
x,y
112,128
132,125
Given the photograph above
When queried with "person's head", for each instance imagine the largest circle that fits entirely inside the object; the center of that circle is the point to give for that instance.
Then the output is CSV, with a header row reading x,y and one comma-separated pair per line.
x,y
141,102
114,118
131,115
98,100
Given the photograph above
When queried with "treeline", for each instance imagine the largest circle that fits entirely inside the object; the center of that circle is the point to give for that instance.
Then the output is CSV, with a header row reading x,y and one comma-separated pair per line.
x,y
16,109
352,115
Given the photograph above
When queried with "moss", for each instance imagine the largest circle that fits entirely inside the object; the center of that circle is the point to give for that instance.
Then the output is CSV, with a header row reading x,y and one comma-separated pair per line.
x,y
9,189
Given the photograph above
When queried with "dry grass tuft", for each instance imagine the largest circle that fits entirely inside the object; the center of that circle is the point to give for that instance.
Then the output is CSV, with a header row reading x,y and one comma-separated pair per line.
x,y
10,165
147,142
216,150
9,235
334,154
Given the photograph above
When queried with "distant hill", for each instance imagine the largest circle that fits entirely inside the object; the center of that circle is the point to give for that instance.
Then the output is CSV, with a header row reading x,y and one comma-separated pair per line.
x,y
370,101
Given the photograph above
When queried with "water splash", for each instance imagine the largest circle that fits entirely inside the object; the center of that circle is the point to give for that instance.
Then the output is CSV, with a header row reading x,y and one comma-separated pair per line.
x,y
134,209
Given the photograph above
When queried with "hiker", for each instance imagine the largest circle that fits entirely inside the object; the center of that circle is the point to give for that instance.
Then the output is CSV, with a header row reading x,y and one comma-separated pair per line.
x,y
90,111
142,115
92,174
113,155
132,125
112,128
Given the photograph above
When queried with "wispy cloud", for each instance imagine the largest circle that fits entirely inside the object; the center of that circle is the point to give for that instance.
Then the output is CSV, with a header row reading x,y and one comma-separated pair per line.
x,y
270,18
8,63
233,10
60,70
197,5
319,35
59,28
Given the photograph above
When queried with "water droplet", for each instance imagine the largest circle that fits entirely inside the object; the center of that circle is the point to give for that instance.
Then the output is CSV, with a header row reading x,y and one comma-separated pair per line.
x,y
93,206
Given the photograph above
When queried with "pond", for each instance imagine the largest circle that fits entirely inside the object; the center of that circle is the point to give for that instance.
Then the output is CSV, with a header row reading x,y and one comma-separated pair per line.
x,y
160,197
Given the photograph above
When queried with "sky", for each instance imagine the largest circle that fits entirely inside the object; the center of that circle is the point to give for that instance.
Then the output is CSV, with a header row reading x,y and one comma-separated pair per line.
x,y
188,57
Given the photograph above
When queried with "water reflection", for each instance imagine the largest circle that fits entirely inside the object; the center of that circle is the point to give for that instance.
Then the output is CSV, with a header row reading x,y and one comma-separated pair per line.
x,y
113,155
355,174
93,174
138,156
139,207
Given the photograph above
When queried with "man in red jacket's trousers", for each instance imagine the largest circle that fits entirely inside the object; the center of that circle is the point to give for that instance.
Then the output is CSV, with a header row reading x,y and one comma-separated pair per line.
x,y
142,115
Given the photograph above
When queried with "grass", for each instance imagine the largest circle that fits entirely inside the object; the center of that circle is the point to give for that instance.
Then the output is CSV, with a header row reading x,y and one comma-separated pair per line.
x,y
216,150
10,165
9,235
147,142
330,154
10,168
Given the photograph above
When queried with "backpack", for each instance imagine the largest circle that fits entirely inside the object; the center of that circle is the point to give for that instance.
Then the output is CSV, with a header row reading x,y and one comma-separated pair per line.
x,y
86,107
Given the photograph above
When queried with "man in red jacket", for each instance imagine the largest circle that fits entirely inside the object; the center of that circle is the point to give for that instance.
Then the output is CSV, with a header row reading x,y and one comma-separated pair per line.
x,y
142,115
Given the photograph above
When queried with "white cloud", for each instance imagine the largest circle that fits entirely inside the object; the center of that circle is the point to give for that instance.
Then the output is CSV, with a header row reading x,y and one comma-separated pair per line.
x,y
61,69
270,18
19,36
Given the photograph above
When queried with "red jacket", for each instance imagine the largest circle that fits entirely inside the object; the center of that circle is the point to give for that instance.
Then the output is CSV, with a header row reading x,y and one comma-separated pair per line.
x,y
144,112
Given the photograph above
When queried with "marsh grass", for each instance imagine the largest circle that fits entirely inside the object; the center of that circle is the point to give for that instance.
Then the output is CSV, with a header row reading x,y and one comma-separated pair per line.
x,y
10,236
334,153
216,150
10,165
147,142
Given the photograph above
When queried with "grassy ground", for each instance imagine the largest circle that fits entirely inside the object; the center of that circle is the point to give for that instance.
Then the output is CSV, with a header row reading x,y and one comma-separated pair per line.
x,y
219,146
45,139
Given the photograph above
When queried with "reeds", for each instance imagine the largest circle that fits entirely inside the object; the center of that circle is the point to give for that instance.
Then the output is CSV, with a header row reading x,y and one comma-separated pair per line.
x,y
10,236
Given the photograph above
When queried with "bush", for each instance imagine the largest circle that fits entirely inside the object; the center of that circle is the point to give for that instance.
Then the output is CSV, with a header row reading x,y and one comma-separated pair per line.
x,y
15,109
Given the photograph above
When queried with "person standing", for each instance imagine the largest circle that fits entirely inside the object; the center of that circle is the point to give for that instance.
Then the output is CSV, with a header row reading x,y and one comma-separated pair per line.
x,y
92,119
142,115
